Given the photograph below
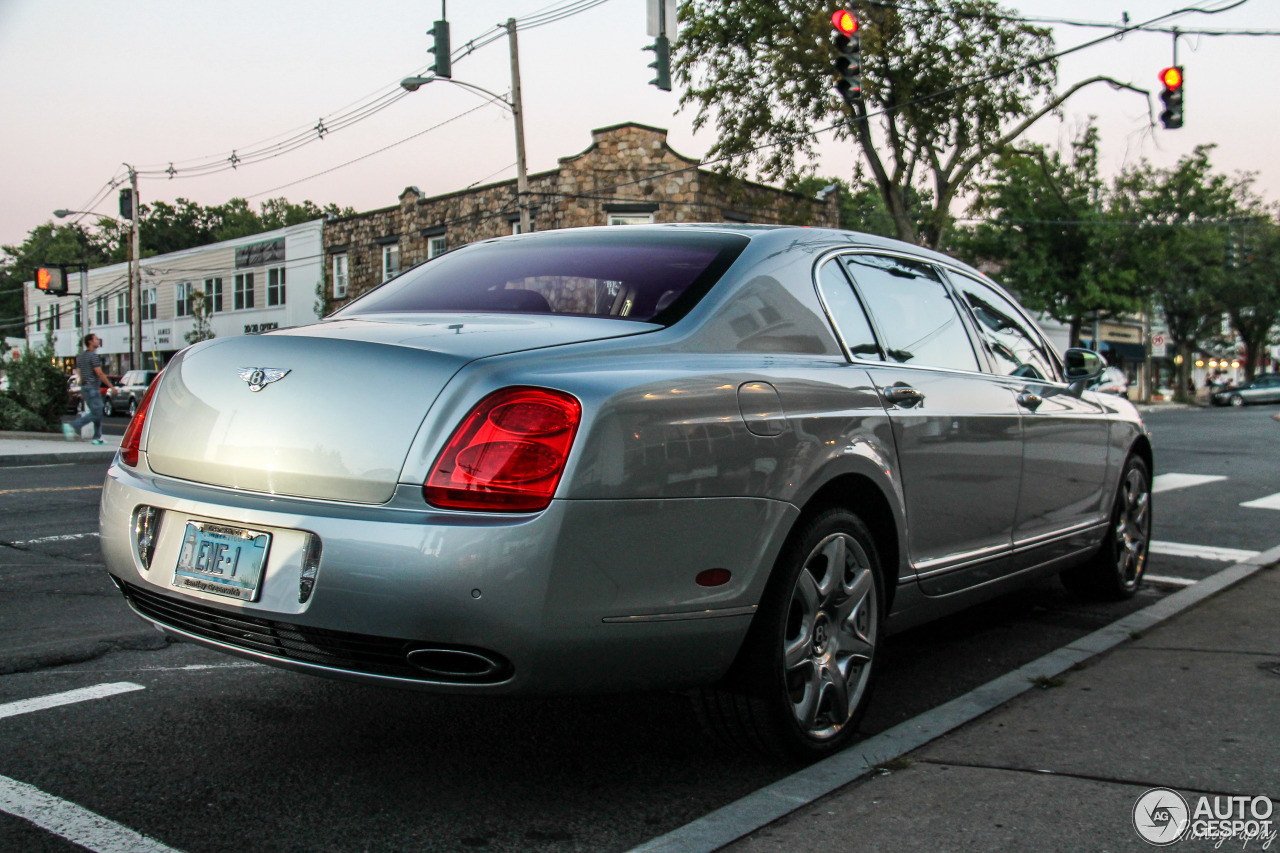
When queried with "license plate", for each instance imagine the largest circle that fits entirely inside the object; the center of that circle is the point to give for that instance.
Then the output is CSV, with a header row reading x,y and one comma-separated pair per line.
x,y
222,560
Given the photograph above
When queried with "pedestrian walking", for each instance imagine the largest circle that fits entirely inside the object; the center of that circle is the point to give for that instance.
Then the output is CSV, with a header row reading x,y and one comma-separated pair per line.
x,y
89,366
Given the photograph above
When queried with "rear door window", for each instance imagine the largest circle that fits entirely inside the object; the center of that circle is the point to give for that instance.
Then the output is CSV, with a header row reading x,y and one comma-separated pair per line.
x,y
915,317
847,313
626,274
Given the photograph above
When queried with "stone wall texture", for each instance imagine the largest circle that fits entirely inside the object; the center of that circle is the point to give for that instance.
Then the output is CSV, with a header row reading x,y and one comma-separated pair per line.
x,y
628,169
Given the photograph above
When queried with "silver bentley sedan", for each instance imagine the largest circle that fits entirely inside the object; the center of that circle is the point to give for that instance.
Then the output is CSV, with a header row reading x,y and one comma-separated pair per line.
x,y
728,459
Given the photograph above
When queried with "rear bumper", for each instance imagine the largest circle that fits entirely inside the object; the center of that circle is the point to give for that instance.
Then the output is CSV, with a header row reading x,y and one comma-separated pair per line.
x,y
587,595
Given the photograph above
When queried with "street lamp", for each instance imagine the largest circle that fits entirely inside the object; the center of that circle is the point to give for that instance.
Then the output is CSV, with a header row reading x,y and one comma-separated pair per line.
x,y
412,84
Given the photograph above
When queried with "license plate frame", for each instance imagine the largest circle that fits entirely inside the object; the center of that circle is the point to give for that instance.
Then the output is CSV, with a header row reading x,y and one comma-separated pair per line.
x,y
222,559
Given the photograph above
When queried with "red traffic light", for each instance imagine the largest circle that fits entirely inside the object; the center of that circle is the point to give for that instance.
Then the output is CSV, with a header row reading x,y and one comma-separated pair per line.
x,y
1171,77
845,21
43,279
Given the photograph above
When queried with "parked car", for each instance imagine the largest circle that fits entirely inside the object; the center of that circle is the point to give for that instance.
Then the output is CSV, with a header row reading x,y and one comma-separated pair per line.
x,y
1263,388
133,386
1112,381
75,402
720,457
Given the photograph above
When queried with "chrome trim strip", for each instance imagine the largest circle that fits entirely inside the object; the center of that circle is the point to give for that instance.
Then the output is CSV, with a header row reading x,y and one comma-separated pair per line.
x,y
679,617
956,561
1046,538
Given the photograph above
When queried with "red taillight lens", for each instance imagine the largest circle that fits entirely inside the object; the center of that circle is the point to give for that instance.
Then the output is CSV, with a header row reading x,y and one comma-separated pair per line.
x,y
132,441
508,454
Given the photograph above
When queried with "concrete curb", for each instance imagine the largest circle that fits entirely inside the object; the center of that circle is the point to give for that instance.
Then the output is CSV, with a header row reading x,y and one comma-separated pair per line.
x,y
755,811
56,458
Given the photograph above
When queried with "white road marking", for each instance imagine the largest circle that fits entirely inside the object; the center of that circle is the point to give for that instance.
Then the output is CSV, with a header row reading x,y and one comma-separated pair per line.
x,y
1167,482
1204,552
1269,502
53,700
65,537
78,825
49,465
1165,580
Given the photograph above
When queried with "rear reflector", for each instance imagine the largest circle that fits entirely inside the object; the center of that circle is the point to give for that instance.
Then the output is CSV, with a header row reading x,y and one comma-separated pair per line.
x,y
508,454
132,441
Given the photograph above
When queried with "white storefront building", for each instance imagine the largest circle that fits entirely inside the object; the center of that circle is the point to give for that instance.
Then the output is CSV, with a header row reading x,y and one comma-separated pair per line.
x,y
250,284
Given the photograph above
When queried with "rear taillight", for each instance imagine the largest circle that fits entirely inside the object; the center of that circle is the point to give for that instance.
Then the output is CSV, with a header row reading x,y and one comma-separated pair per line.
x,y
132,441
508,454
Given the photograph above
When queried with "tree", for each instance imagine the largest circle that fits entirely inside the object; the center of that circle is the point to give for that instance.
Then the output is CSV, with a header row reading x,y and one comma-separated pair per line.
x,y
861,209
1251,288
45,244
1175,226
1047,229
762,70
200,311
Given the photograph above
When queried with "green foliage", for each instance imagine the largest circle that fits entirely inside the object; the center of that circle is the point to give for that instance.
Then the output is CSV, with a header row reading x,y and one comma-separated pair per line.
x,y
1251,288
45,244
761,72
1047,228
200,310
37,386
862,209
13,416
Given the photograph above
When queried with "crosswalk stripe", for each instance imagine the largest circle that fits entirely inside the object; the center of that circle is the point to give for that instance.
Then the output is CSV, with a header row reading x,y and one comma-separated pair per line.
x,y
76,824
69,697
1269,502
1204,552
1168,482
1165,580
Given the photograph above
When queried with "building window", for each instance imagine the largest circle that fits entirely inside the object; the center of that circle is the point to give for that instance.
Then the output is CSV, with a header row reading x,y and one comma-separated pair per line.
x,y
213,295
437,246
275,286
55,316
630,218
101,313
182,299
39,328
390,261
340,275
79,317
122,307
243,292
515,226
148,303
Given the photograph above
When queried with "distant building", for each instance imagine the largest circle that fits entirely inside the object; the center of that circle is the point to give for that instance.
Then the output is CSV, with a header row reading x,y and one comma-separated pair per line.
x,y
250,284
610,183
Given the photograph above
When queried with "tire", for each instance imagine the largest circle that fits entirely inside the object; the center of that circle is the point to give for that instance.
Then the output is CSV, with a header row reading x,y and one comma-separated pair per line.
x,y
1115,572
803,678
108,409
1235,400
133,407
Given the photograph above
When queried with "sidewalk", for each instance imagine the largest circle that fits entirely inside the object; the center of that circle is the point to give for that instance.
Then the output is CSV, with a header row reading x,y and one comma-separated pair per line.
x,y
43,448
1186,700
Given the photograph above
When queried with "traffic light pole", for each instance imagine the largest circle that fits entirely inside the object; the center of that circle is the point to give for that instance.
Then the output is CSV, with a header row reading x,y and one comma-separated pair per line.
x,y
517,113
135,276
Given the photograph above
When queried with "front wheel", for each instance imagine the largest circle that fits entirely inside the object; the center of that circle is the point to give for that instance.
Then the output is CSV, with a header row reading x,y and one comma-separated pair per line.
x,y
803,678
133,407
1235,400
1116,571
108,410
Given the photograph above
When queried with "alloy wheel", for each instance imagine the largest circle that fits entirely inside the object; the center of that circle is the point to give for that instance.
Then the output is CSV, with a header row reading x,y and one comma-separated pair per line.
x,y
830,636
1133,528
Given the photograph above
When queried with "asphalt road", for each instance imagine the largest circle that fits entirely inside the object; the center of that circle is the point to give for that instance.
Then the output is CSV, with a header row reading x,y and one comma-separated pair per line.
x,y
216,754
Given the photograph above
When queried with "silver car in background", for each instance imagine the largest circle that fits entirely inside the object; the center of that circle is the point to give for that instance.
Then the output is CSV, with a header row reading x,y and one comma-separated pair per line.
x,y
721,458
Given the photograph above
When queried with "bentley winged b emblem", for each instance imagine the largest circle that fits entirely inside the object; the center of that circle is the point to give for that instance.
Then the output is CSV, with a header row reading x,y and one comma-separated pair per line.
x,y
260,377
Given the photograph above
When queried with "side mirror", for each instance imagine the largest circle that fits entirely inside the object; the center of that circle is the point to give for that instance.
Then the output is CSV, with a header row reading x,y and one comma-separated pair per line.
x,y
1083,366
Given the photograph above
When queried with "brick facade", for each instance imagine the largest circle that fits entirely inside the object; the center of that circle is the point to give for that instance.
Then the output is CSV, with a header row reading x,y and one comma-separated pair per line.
x,y
628,170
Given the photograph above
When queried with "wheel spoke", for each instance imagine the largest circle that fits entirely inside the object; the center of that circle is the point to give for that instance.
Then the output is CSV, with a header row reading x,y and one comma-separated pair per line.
x,y
806,599
806,710
835,695
835,553
857,593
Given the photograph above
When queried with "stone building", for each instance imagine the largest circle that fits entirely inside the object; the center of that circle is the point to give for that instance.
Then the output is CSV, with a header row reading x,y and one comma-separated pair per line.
x,y
629,175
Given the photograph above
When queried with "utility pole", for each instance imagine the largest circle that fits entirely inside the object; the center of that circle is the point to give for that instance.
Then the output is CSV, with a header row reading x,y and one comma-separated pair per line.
x,y
135,276
517,112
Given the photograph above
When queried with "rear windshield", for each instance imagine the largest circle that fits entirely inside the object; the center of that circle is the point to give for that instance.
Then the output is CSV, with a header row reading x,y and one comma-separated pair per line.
x,y
624,273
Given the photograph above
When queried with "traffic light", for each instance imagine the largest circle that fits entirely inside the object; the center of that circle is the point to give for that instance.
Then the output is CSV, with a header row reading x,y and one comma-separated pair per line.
x,y
1171,78
442,66
848,54
52,280
126,203
661,48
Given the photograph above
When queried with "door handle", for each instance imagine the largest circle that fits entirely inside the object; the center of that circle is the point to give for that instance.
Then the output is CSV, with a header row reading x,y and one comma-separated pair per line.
x,y
903,395
1030,401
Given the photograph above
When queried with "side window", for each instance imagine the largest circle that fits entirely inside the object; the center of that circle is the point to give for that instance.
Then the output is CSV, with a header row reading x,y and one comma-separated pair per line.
x,y
1015,347
913,311
847,312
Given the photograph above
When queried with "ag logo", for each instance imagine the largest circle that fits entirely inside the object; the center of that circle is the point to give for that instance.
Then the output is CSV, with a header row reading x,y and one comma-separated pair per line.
x,y
1161,816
